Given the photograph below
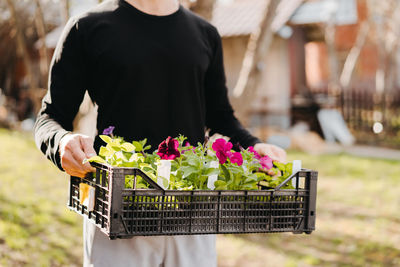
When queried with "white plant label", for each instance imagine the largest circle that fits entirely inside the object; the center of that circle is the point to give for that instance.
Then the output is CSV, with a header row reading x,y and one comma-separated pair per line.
x,y
295,169
164,173
214,177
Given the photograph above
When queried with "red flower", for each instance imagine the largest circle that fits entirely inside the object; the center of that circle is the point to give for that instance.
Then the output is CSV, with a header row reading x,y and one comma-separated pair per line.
x,y
256,155
222,149
236,157
168,149
266,163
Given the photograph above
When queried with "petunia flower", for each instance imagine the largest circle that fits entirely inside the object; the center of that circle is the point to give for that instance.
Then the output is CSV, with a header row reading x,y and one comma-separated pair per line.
x,y
186,144
256,155
266,163
236,157
222,149
109,131
168,149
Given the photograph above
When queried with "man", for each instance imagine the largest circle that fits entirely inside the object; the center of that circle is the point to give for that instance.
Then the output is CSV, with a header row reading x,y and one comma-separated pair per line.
x,y
154,69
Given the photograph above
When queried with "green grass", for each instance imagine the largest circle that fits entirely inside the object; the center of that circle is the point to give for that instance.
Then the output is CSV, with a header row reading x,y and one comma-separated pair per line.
x,y
358,220
36,228
358,215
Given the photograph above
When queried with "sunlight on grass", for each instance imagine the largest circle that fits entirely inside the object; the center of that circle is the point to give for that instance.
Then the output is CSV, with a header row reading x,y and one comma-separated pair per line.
x,y
358,218
36,228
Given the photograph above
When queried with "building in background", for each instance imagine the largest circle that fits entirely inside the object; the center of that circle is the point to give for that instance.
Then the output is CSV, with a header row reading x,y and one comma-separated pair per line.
x,y
302,71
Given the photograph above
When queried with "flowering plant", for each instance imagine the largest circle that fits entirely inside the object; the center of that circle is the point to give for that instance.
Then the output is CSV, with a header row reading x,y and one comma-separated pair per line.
x,y
193,166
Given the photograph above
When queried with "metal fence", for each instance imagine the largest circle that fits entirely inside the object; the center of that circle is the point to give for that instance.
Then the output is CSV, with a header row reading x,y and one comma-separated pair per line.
x,y
373,117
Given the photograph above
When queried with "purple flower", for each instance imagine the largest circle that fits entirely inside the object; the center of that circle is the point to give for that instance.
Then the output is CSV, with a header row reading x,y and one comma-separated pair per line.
x,y
256,155
222,149
109,131
168,149
266,163
236,157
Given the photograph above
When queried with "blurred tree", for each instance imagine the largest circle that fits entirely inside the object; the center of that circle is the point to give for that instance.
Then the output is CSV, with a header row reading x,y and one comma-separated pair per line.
x,y
22,45
352,58
386,24
41,30
64,10
203,7
251,73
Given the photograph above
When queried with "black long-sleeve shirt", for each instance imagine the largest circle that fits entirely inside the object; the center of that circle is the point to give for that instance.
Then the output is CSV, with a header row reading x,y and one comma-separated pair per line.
x,y
151,77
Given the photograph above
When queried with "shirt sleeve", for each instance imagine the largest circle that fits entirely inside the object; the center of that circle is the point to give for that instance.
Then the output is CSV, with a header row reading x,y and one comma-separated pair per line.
x,y
66,89
220,116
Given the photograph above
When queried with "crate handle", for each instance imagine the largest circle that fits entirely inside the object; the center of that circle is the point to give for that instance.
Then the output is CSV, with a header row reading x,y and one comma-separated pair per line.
x,y
286,181
148,179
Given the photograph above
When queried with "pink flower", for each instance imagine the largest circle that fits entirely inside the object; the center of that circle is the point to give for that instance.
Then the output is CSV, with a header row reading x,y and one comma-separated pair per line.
x,y
168,149
186,143
266,163
256,155
222,149
236,157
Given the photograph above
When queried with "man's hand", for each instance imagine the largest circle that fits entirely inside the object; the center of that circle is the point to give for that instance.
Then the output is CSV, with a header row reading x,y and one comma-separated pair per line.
x,y
274,152
74,148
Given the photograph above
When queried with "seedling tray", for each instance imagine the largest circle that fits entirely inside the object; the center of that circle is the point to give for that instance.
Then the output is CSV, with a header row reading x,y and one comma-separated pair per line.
x,y
123,213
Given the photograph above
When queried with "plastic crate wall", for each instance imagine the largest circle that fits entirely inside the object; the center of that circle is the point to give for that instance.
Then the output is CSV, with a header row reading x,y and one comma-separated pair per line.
x,y
123,213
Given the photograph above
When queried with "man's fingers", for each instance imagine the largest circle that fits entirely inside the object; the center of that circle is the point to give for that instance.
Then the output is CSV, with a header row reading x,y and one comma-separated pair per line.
x,y
74,148
87,146
74,162
274,152
71,166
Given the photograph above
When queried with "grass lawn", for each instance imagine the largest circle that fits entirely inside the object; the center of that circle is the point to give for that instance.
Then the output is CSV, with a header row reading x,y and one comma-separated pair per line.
x,y
358,215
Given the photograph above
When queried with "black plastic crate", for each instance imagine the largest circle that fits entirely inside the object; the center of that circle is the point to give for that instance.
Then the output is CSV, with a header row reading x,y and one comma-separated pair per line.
x,y
123,213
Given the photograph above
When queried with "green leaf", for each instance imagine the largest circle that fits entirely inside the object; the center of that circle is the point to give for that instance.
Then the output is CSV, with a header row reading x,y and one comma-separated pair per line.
x,y
116,147
165,182
289,167
147,147
94,159
105,152
211,171
106,138
280,166
194,161
127,147
143,142
225,172
138,146
142,165
237,179
220,185
189,170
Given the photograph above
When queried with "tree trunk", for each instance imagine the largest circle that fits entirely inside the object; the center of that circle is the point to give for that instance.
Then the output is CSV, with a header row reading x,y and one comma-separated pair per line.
x,y
21,44
251,71
24,53
352,57
330,33
64,10
204,8
44,57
